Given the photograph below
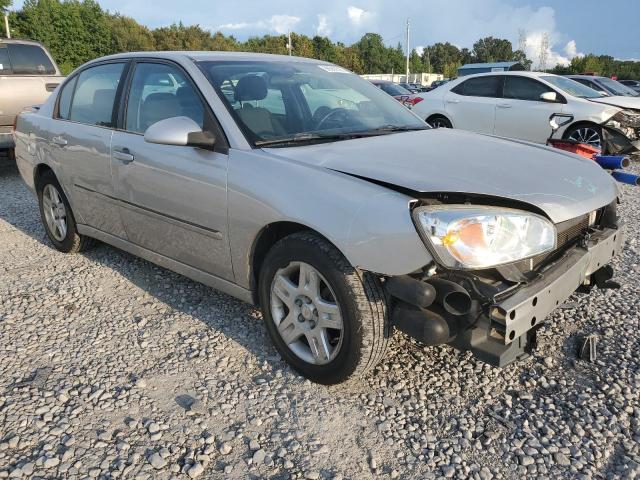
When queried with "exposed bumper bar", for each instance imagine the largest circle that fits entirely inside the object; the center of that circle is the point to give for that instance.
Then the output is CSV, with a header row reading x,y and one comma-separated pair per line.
x,y
6,140
530,305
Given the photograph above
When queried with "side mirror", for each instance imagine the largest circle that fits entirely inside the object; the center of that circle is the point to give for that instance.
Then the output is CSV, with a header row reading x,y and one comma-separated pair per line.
x,y
551,97
179,131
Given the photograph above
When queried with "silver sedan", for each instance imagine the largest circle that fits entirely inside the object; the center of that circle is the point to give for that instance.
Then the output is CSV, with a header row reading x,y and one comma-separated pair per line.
x,y
296,185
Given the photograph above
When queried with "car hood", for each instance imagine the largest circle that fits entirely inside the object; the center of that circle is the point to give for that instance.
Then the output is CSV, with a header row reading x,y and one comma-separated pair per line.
x,y
619,101
562,185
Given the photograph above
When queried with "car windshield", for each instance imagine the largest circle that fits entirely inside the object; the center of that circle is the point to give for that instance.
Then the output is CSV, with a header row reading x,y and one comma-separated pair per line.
x,y
278,102
572,87
616,88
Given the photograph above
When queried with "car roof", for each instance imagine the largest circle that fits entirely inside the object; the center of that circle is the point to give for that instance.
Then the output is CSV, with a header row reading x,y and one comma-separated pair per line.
x,y
587,76
20,41
517,73
199,56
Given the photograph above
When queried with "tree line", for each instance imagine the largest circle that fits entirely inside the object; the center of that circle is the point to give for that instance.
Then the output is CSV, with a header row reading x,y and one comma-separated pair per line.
x,y
76,31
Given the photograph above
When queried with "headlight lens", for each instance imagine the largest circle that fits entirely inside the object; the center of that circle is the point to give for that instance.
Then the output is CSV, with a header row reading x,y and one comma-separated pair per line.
x,y
468,237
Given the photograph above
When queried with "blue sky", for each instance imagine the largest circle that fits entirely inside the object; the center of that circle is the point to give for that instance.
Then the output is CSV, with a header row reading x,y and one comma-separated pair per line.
x,y
572,26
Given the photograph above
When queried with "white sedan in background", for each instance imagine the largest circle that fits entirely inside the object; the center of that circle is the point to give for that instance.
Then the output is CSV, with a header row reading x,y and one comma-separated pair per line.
x,y
520,104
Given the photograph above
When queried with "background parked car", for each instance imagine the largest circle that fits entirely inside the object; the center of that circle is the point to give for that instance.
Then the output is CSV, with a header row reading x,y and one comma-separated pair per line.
x,y
519,105
404,96
605,85
412,87
28,75
633,84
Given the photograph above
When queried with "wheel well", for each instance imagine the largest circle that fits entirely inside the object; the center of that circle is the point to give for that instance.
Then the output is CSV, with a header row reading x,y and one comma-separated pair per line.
x,y
437,115
266,239
39,171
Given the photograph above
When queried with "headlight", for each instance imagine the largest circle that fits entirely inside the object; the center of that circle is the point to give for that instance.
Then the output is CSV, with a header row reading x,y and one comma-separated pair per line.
x,y
475,237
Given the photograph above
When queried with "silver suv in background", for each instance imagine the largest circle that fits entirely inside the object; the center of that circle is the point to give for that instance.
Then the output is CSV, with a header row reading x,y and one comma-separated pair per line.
x,y
303,188
28,75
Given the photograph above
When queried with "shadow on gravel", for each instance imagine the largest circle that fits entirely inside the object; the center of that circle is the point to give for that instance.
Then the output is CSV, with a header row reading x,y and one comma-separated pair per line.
x,y
235,319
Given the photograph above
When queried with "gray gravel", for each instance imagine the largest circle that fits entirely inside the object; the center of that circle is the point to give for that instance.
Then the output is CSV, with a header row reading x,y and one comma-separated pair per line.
x,y
111,367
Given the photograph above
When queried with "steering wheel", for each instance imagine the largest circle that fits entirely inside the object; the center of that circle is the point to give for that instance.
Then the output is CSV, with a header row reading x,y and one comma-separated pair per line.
x,y
336,111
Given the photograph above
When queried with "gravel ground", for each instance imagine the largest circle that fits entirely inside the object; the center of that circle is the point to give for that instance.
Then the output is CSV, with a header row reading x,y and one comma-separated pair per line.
x,y
111,367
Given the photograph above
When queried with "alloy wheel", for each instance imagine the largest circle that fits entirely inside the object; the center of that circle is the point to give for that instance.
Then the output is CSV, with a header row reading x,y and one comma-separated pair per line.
x,y
55,213
587,135
439,123
306,313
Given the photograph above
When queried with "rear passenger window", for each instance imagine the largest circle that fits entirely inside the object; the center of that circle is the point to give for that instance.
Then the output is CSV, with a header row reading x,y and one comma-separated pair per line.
x,y
158,92
95,94
30,60
64,103
5,64
522,88
479,87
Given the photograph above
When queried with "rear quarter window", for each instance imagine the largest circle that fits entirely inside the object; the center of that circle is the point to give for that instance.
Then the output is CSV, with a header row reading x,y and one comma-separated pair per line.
x,y
30,60
479,87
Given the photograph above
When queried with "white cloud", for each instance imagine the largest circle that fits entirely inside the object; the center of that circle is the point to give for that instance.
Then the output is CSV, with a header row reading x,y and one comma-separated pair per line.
x,y
323,27
277,23
534,47
419,50
358,16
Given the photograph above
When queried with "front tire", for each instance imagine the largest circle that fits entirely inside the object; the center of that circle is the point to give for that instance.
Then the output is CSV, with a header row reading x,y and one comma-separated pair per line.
x,y
327,319
57,216
586,133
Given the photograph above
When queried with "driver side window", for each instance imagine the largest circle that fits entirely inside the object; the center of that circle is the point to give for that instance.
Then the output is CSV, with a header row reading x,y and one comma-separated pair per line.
x,y
160,91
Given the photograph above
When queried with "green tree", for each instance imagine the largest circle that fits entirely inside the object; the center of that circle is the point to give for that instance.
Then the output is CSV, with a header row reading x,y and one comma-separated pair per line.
x,y
128,35
4,5
490,49
439,55
373,54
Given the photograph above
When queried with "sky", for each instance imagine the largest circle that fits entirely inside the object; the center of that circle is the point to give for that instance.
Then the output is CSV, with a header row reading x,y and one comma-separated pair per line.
x,y
573,27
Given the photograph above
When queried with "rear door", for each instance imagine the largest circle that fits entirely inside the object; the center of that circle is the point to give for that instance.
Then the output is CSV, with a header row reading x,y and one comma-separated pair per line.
x,y
521,114
471,105
173,199
80,143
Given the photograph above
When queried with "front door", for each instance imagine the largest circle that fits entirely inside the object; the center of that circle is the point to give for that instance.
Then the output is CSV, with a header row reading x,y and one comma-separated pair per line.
x,y
172,198
521,113
80,143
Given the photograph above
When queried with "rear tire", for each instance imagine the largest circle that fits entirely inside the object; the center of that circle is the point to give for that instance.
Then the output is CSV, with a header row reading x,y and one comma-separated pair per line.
x,y
57,216
349,312
439,121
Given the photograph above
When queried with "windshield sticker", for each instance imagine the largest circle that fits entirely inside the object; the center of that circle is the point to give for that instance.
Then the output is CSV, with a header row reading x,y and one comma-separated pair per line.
x,y
333,69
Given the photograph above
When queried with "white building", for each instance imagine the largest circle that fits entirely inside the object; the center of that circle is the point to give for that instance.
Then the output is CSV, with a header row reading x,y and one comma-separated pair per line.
x,y
422,78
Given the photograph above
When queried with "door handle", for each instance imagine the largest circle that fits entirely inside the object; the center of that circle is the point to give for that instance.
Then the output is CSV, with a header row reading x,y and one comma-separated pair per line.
x,y
504,105
61,142
452,101
124,156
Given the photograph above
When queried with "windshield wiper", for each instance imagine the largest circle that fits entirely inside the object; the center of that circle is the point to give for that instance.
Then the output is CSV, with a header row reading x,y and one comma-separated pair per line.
x,y
311,137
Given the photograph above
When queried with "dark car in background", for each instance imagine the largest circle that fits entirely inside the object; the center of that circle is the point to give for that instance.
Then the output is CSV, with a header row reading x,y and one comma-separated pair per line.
x,y
398,92
605,85
632,84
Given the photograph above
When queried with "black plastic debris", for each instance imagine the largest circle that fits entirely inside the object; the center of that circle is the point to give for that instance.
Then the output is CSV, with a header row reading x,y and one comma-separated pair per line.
x,y
588,349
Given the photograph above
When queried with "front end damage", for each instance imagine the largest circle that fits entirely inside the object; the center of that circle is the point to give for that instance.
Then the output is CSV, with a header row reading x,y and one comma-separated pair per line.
x,y
495,313
621,133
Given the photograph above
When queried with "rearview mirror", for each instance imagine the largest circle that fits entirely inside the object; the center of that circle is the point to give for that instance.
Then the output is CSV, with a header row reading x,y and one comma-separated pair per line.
x,y
550,97
179,131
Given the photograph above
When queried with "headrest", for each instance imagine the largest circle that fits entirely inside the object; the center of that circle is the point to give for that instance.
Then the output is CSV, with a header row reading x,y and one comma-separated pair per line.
x,y
251,87
103,97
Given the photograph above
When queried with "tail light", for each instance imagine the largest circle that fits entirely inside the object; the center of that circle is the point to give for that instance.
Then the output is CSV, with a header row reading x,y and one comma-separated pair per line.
x,y
413,101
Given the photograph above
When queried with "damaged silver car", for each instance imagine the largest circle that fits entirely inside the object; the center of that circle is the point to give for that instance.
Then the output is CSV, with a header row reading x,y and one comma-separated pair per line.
x,y
304,189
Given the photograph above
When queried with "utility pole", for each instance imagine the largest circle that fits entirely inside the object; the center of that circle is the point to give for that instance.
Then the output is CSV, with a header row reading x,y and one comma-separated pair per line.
x,y
289,44
6,25
408,51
